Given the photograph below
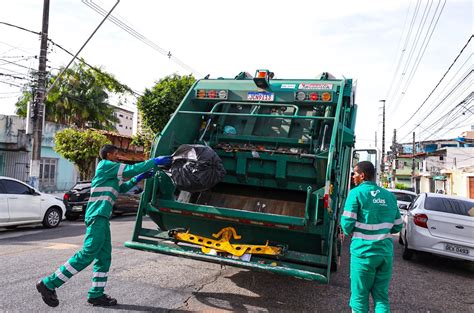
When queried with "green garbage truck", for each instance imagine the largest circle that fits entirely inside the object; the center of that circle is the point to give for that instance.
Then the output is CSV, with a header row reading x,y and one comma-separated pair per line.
x,y
286,146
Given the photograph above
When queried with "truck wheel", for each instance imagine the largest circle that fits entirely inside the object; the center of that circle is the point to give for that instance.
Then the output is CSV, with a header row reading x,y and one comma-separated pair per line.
x,y
52,218
407,253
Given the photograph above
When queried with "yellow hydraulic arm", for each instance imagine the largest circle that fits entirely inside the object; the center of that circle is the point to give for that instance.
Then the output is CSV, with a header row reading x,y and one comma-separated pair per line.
x,y
222,243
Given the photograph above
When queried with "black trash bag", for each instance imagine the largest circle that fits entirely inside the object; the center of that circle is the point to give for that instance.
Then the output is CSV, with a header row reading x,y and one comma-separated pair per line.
x,y
196,168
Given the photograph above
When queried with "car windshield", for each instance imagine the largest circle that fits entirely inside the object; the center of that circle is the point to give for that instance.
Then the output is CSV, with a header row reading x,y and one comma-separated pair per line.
x,y
404,197
449,205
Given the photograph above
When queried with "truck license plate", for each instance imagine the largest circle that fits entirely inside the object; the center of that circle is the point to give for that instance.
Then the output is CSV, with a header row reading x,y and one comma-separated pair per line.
x,y
457,249
260,96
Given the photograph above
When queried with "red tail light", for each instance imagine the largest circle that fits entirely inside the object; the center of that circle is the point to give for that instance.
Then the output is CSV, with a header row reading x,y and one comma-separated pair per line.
x,y
421,220
326,201
66,197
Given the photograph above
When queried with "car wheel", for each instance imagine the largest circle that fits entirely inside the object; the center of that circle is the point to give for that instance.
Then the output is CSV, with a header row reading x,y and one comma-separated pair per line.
x,y
52,218
407,253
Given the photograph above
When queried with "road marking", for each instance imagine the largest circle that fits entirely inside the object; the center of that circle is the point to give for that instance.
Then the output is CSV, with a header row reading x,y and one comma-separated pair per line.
x,y
62,246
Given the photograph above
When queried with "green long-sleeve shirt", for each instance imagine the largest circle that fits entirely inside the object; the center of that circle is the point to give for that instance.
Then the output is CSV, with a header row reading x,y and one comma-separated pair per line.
x,y
108,183
371,215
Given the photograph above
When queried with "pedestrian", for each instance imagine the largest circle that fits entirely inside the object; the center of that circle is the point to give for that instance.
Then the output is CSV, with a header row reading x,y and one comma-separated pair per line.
x,y
106,185
370,215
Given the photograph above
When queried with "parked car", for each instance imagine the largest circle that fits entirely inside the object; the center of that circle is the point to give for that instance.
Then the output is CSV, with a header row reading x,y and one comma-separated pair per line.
x,y
439,224
404,198
76,200
22,204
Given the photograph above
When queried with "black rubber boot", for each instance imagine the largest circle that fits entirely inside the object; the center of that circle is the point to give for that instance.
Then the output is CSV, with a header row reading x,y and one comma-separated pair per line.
x,y
104,300
49,296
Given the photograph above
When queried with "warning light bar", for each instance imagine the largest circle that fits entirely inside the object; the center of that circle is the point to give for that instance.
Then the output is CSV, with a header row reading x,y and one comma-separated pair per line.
x,y
262,78
313,96
211,94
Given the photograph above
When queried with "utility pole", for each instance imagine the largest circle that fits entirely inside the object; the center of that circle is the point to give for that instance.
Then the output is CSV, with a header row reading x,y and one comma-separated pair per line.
x,y
38,104
382,161
413,164
394,157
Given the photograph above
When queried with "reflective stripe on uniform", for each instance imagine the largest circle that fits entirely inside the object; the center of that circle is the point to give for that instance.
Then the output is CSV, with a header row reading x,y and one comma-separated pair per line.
x,y
374,226
398,221
100,274
70,269
371,237
61,276
120,171
99,284
350,214
102,198
104,189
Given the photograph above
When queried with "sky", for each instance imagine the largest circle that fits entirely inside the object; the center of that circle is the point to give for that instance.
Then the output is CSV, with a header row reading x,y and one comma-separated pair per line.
x,y
394,54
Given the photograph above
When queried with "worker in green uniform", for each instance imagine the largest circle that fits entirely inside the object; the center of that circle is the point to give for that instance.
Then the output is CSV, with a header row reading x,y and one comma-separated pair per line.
x,y
106,185
370,215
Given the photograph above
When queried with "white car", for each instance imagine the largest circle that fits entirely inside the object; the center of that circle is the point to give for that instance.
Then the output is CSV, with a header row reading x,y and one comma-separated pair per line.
x,y
22,204
404,198
439,224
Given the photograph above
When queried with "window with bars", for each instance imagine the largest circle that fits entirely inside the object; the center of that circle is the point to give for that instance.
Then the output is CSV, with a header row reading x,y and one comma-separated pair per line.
x,y
48,168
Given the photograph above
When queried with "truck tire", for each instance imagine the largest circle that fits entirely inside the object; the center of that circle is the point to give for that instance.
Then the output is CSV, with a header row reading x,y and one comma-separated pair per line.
x,y
52,218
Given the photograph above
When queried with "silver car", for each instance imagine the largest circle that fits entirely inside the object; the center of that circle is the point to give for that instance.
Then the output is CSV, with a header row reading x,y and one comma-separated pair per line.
x,y
404,199
439,224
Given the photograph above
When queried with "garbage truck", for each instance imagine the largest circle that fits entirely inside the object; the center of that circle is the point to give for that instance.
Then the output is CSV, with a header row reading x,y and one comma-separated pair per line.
x,y
286,146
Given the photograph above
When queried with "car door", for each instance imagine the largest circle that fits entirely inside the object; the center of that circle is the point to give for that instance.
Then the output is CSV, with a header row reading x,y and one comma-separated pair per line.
x,y
4,215
448,218
22,204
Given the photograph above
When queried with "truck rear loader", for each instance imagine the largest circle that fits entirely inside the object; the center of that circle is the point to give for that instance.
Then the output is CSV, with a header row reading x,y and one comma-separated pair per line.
x,y
286,145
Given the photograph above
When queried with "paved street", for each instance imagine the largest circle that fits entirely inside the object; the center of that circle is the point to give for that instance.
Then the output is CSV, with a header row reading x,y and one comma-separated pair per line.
x,y
143,281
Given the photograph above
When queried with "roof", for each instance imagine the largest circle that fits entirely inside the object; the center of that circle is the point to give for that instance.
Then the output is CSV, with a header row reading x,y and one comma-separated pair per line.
x,y
403,191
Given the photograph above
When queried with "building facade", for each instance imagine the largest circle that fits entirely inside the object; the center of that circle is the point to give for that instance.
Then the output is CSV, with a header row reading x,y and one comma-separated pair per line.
x,y
56,173
125,124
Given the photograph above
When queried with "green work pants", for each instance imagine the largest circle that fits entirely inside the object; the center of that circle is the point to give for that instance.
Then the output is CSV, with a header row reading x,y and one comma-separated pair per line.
x,y
370,276
98,247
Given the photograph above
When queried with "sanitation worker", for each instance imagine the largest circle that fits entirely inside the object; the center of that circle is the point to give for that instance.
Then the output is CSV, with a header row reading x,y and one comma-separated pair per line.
x,y
106,185
371,215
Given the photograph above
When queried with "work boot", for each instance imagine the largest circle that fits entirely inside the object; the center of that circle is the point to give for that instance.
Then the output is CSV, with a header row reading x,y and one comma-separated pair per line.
x,y
49,296
104,300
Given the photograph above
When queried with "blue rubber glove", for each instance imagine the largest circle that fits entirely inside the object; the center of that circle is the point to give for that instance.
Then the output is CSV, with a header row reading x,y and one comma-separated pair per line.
x,y
163,160
144,175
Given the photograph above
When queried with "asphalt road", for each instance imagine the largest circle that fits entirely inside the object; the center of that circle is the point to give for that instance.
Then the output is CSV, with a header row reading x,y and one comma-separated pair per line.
x,y
144,281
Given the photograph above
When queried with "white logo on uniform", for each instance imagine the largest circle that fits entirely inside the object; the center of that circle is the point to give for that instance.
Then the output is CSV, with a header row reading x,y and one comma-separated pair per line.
x,y
374,192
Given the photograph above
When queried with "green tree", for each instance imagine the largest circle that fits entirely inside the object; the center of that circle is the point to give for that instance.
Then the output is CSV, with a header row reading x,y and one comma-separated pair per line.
x,y
80,147
157,104
80,98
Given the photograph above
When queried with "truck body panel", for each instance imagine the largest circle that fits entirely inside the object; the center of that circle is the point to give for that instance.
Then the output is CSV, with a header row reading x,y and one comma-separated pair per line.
x,y
286,146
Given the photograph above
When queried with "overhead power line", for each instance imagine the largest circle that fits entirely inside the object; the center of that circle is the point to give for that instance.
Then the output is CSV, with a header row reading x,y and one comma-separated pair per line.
x,y
420,54
64,49
444,75
456,87
137,35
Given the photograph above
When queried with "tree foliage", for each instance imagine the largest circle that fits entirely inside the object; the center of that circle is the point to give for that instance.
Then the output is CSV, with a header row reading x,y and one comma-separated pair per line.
x,y
80,98
80,147
157,104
